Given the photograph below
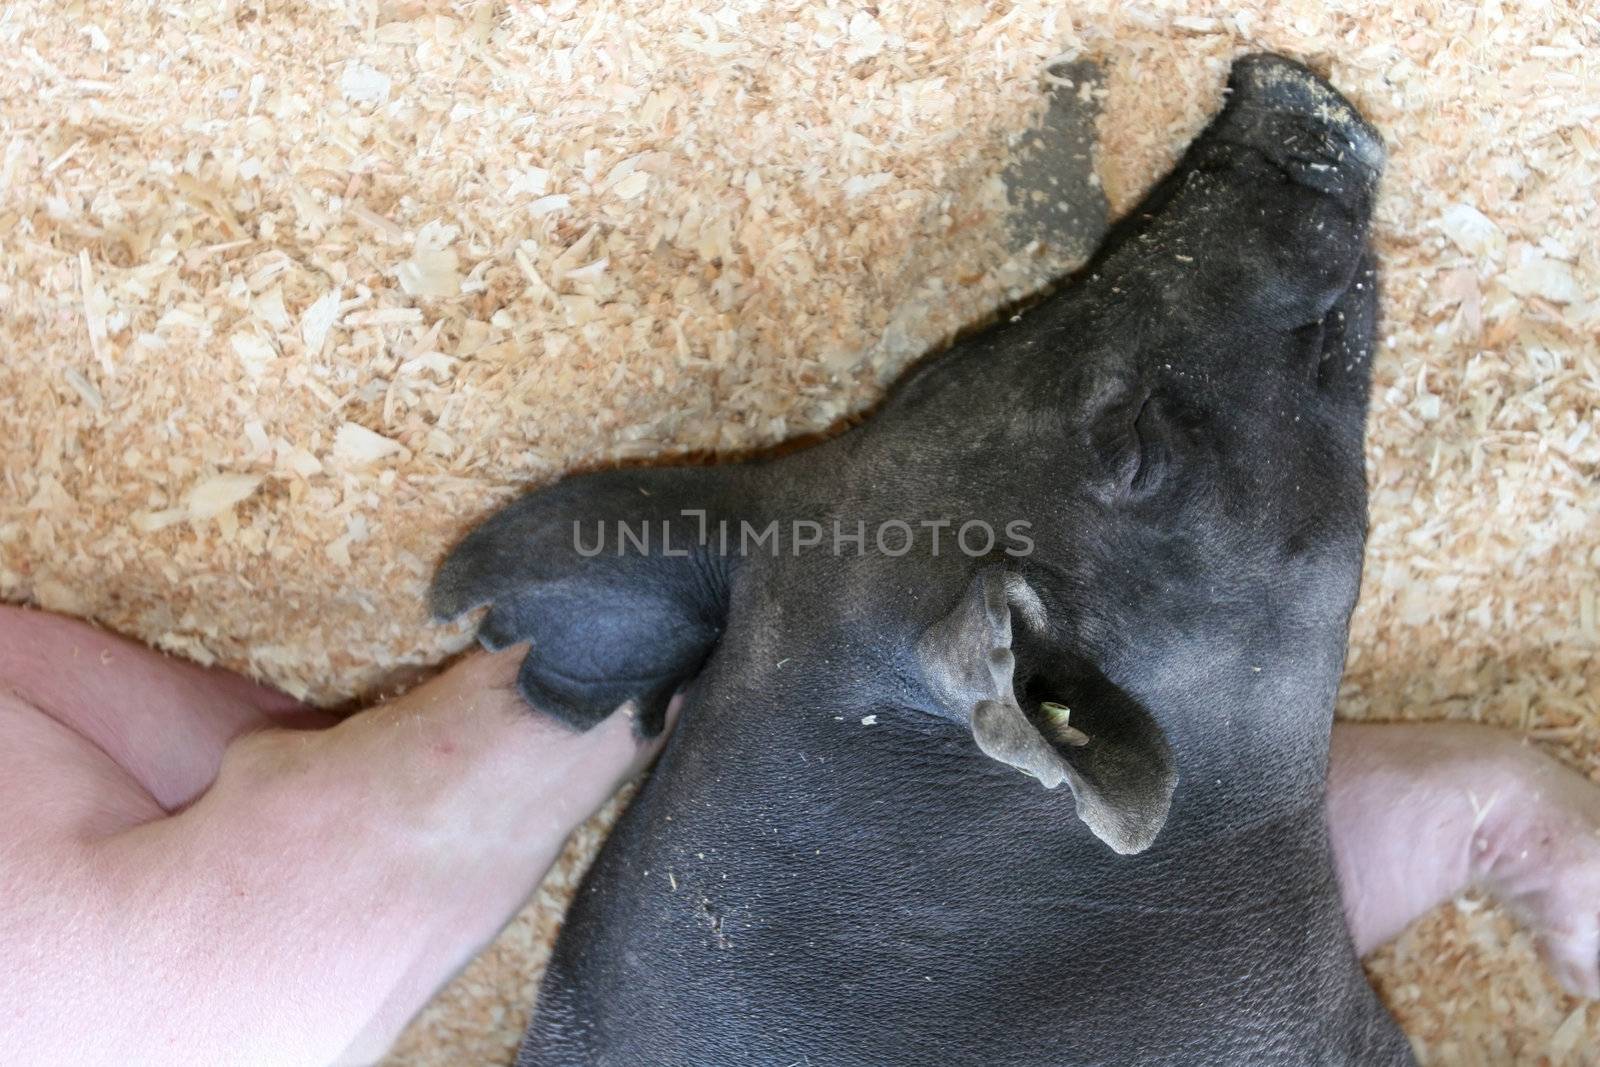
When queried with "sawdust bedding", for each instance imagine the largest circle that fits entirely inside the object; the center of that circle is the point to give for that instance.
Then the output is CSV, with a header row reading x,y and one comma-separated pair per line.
x,y
293,291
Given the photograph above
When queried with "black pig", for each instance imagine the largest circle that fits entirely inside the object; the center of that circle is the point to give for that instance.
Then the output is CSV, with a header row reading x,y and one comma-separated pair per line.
x,y
1158,471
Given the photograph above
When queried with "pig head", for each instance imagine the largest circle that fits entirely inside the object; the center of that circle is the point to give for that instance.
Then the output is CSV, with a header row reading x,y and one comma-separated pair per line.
x,y
1033,669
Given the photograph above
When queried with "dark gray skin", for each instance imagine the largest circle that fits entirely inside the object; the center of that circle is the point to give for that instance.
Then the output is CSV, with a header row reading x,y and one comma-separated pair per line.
x,y
1181,429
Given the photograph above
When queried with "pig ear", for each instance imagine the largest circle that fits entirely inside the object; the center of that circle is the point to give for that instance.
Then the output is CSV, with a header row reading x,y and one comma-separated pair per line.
x,y
1053,721
611,618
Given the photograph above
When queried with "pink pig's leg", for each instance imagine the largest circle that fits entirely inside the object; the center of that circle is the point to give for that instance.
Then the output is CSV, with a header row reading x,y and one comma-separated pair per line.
x,y
164,721
184,881
1420,813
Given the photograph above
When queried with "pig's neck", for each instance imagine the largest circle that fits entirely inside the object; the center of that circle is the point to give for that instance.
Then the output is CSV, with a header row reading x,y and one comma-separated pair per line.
x,y
1255,771
1249,762
1250,726
1245,813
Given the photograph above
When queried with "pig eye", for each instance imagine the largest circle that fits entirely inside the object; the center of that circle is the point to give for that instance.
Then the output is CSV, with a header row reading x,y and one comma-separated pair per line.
x,y
1152,431
1116,445
1133,444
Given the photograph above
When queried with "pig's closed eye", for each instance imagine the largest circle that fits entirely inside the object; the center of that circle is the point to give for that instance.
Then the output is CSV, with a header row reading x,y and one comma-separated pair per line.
x,y
1133,444
1116,445
1152,430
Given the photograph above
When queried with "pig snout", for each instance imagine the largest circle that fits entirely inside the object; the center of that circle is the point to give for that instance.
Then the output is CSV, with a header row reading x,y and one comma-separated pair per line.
x,y
1282,107
1263,223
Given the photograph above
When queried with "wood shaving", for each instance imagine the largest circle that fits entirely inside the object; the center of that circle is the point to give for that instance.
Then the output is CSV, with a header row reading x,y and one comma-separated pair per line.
x,y
355,445
218,493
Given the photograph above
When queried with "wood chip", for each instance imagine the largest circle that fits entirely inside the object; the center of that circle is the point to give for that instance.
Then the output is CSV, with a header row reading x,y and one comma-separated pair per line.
x,y
355,445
